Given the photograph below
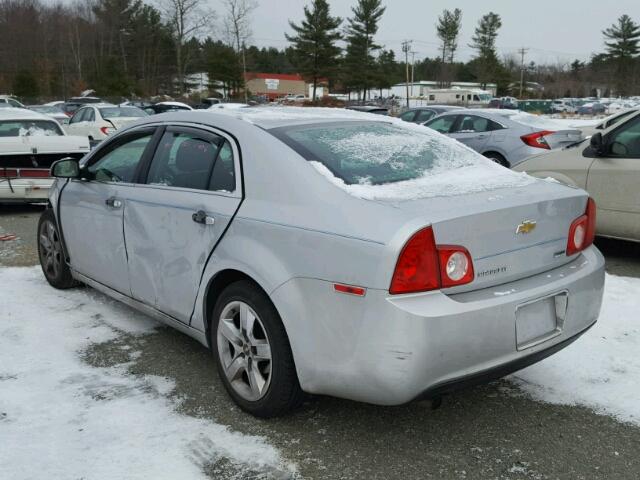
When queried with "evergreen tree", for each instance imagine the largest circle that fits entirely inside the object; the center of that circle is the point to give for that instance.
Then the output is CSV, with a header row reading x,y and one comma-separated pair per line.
x,y
448,30
359,60
622,41
486,64
315,52
386,70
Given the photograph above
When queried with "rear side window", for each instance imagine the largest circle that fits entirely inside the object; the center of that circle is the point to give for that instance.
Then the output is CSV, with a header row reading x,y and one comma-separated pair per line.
x,y
472,123
408,116
373,153
425,115
29,128
190,160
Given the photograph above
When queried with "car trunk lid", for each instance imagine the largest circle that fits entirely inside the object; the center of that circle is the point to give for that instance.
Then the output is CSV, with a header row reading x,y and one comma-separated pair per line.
x,y
510,233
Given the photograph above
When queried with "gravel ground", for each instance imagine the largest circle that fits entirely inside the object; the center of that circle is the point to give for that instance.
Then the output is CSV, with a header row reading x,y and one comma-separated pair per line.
x,y
486,432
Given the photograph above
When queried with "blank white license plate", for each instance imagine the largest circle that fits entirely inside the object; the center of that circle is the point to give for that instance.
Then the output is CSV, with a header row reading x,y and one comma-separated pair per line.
x,y
540,320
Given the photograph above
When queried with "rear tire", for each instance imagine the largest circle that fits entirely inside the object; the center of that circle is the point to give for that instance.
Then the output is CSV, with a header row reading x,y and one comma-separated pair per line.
x,y
253,353
496,157
51,253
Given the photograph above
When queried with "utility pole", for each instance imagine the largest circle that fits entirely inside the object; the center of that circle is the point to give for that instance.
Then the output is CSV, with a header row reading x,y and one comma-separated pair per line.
x,y
406,47
413,67
522,51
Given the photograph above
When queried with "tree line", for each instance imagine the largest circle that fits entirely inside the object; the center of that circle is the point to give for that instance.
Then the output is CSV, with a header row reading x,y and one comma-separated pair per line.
x,y
131,48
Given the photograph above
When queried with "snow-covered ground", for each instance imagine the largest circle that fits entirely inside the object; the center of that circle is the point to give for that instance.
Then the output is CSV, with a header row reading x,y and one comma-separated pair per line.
x,y
63,419
575,122
602,369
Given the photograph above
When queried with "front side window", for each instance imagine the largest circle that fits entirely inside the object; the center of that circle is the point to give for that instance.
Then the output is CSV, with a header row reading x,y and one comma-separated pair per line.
x,y
374,153
442,124
29,128
120,164
625,142
191,160
408,116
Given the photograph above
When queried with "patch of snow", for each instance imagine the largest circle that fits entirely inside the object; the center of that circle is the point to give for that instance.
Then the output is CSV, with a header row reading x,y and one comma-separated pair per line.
x,y
467,179
601,370
38,132
61,418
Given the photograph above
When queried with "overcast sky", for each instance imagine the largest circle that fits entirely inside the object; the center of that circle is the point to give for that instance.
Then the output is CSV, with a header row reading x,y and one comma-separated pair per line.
x,y
553,30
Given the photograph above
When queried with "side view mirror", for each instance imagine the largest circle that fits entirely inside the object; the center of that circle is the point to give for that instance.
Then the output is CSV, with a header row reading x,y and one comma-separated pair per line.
x,y
66,168
597,143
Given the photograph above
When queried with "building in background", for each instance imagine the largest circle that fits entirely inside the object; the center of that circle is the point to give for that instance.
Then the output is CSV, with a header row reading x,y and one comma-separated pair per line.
x,y
275,85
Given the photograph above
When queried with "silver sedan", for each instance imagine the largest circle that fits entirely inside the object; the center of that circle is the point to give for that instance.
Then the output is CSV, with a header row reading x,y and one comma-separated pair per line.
x,y
327,251
508,137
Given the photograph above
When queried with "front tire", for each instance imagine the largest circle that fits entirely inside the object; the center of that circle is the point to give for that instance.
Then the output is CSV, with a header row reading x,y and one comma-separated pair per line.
x,y
51,253
252,352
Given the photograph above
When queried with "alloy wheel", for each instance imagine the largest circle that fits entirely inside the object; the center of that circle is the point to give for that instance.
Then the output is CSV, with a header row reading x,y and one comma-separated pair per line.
x,y
50,249
244,350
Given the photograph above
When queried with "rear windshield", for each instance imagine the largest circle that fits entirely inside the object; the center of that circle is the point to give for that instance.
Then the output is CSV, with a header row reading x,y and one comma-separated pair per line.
x,y
128,112
29,128
375,153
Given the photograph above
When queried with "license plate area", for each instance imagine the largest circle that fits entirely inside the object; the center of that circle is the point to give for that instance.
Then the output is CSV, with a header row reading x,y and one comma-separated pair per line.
x,y
540,320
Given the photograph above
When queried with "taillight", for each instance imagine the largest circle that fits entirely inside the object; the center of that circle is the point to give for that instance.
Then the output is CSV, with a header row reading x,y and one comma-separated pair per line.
x,y
583,230
537,139
107,130
8,173
423,265
34,173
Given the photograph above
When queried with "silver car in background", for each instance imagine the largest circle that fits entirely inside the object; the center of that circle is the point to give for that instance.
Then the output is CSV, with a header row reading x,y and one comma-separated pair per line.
x,y
327,251
506,136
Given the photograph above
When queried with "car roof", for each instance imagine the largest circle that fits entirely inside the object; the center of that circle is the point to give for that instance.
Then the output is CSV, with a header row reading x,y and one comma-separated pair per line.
x,y
268,117
22,114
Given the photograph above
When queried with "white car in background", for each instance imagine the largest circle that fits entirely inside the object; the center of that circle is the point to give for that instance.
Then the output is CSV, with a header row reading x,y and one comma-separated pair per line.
x,y
9,101
51,111
29,143
98,121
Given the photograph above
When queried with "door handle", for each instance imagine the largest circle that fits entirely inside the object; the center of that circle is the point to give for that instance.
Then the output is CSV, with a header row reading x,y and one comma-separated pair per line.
x,y
113,202
201,217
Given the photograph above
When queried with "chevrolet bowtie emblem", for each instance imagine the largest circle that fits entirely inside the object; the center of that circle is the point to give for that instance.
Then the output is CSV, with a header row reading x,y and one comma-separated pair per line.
x,y
527,226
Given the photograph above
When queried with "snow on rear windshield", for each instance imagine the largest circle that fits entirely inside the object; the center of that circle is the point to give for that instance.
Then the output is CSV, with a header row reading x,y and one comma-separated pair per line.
x,y
29,128
395,160
125,112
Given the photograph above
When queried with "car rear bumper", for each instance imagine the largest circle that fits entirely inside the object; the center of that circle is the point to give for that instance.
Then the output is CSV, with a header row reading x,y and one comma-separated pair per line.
x,y
25,191
389,350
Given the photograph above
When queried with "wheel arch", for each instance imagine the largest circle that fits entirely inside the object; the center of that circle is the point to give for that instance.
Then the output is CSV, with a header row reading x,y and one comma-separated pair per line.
x,y
494,151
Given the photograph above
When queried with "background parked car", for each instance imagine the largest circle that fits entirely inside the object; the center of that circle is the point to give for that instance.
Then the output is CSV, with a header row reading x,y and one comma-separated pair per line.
x,y
51,111
163,107
100,120
369,109
608,168
505,136
8,101
29,143
74,103
510,103
591,108
563,105
423,114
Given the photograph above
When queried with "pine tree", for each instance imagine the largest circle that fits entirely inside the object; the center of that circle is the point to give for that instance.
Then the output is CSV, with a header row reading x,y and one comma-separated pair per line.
x,y
622,41
316,54
359,60
448,30
486,64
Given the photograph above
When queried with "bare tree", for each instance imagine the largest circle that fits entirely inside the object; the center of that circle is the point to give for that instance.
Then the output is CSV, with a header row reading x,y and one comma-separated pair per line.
x,y
187,19
237,25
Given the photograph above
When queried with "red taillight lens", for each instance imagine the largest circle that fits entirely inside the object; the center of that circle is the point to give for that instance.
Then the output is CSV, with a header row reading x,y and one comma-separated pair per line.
x,y
107,130
417,268
8,173
34,173
537,139
583,230
423,266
